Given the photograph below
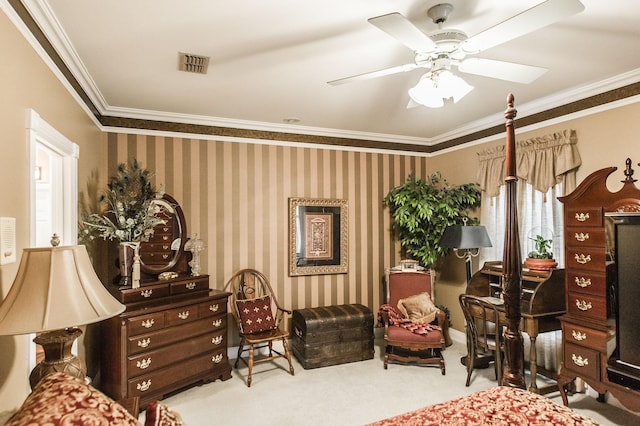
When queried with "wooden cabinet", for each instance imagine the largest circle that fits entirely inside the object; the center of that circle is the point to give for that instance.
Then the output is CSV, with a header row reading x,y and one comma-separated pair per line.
x,y
589,326
173,337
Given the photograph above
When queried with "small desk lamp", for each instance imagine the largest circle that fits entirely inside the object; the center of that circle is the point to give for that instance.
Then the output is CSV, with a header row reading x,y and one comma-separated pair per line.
x,y
55,290
467,238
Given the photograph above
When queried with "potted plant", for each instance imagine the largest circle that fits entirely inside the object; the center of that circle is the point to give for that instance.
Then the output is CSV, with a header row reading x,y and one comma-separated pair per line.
x,y
423,209
129,218
541,258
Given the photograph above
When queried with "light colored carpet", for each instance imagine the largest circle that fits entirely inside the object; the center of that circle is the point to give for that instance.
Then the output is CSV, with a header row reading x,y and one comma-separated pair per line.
x,y
349,394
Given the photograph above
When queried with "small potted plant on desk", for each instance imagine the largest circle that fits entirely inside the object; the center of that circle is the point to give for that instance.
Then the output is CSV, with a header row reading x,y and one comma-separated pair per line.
x,y
540,259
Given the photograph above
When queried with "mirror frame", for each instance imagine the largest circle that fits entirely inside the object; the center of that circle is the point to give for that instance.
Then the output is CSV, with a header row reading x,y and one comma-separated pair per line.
x,y
182,224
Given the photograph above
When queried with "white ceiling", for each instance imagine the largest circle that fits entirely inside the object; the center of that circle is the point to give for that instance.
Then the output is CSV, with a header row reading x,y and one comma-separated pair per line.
x,y
271,60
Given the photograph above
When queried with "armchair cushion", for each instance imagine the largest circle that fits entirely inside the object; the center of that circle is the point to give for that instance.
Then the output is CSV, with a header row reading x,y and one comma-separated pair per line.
x,y
418,308
255,315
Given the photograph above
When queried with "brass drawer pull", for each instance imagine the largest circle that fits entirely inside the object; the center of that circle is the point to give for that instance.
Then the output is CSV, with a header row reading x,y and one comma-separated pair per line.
x,y
144,386
583,282
165,238
144,342
217,358
217,323
183,315
581,217
214,308
165,256
583,305
145,363
582,237
148,323
582,259
579,361
146,293
578,335
216,340
190,286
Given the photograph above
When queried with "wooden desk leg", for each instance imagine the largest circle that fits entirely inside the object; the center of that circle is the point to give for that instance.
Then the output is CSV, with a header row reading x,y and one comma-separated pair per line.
x,y
533,361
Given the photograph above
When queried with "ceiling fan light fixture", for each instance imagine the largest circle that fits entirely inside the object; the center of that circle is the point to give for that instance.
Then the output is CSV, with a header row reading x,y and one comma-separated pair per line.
x,y
433,88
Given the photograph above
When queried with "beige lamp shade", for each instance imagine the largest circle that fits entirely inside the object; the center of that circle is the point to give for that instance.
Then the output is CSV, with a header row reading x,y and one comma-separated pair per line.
x,y
55,288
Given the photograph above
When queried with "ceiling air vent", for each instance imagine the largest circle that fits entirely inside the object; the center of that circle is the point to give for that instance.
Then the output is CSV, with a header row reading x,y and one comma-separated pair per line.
x,y
192,63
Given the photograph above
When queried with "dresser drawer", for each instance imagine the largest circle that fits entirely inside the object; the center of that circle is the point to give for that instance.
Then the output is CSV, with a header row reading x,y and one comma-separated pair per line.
x,y
586,258
168,355
585,237
586,282
190,286
144,293
213,307
165,378
181,315
582,360
588,216
155,340
145,323
584,336
587,306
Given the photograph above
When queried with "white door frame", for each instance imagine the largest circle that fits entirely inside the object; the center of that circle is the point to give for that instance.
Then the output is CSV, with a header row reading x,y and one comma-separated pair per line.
x,y
41,132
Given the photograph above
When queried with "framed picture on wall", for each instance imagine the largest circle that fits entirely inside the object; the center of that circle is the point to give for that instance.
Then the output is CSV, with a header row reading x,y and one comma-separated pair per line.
x,y
318,236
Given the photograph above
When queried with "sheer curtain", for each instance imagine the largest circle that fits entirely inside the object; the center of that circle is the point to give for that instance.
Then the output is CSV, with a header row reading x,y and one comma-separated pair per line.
x,y
546,169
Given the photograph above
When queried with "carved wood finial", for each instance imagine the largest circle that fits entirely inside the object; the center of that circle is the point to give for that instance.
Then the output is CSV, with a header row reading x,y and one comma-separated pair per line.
x,y
628,172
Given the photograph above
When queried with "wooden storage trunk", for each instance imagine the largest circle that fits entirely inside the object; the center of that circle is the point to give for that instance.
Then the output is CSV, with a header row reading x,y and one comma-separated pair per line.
x,y
332,335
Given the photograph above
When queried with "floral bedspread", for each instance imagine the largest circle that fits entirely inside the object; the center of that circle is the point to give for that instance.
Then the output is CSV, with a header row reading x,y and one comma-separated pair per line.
x,y
498,406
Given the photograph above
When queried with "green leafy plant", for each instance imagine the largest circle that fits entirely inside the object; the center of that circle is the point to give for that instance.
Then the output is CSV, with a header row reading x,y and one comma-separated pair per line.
x,y
130,214
423,209
542,248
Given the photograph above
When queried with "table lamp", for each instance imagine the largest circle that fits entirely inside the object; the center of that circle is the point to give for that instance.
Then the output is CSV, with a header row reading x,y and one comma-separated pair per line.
x,y
465,239
55,290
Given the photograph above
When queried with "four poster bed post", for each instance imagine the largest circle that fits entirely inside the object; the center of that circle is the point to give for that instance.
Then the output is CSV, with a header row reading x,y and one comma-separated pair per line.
x,y
512,263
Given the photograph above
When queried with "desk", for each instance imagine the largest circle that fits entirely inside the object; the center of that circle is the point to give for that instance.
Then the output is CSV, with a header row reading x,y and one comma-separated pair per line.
x,y
542,303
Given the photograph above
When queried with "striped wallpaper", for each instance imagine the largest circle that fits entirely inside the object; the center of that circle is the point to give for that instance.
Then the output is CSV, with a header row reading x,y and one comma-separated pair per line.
x,y
235,197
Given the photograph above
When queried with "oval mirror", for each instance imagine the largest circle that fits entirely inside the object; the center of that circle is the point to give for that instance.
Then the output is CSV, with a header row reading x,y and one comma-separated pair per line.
x,y
165,247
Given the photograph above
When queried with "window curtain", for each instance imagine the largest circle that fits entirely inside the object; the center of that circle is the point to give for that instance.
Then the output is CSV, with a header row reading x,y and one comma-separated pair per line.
x,y
542,162
546,168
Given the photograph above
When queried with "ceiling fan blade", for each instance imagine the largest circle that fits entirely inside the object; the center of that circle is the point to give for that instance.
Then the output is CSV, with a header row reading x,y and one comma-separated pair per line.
x,y
502,70
537,17
400,28
374,74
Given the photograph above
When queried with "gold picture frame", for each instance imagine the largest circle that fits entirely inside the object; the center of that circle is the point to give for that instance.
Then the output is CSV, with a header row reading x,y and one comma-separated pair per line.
x,y
318,236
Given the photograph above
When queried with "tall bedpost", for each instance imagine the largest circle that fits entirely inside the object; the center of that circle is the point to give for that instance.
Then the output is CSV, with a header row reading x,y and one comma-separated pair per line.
x,y
512,263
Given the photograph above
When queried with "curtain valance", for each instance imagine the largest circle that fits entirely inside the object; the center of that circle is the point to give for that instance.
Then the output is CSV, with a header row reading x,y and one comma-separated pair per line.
x,y
542,161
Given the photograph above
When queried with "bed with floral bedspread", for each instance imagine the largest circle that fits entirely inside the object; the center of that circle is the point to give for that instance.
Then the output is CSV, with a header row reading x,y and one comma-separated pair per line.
x,y
501,405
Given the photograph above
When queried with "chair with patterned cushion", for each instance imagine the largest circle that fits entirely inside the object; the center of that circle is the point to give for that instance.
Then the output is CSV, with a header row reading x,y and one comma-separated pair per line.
x,y
412,322
258,317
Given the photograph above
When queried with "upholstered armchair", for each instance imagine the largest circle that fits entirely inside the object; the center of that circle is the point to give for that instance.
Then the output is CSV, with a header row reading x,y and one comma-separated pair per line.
x,y
412,322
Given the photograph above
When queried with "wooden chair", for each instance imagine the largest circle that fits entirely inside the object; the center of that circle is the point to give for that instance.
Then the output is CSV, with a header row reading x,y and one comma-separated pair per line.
x,y
401,344
258,317
483,334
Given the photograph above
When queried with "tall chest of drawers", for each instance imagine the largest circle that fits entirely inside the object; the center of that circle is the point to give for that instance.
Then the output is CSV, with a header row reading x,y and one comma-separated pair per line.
x,y
589,325
172,334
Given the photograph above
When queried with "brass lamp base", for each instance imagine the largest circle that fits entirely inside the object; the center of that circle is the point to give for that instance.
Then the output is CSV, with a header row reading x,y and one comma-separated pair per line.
x,y
57,355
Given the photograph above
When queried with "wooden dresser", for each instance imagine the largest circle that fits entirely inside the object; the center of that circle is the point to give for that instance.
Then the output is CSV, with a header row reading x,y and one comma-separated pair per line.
x,y
172,334
589,326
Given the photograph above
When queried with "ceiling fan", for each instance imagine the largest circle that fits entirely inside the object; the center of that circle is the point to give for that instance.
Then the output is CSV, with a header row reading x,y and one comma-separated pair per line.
x,y
439,51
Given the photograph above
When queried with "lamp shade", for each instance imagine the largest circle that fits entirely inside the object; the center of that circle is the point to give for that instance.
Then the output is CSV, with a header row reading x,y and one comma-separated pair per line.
x,y
55,288
465,237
